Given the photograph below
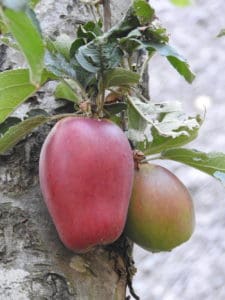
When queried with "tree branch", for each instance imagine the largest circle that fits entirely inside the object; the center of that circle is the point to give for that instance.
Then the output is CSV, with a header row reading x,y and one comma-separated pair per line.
x,y
107,15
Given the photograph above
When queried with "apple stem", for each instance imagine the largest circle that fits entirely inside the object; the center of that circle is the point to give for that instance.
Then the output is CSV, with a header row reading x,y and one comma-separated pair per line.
x,y
60,116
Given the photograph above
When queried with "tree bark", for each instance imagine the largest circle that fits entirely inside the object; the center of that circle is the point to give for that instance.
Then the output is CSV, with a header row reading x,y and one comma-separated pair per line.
x,y
33,262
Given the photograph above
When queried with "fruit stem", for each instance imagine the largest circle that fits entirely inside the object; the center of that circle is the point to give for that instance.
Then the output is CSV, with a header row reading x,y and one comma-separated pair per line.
x,y
60,116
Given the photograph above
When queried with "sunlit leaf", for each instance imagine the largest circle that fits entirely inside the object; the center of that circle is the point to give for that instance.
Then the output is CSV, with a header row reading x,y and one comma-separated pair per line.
x,y
62,44
15,88
221,33
29,40
120,77
99,55
59,66
211,163
156,127
64,91
175,59
143,11
181,2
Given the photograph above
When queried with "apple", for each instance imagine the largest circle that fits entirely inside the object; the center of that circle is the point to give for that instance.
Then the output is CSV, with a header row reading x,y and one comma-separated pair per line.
x,y
161,213
86,173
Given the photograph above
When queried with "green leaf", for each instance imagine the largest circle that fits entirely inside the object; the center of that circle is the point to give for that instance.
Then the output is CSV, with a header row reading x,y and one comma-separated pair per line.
x,y
83,33
8,41
130,44
33,3
17,132
211,163
33,17
64,91
15,88
59,66
122,29
76,45
93,27
143,11
62,44
156,33
90,30
221,33
3,27
175,59
99,55
11,121
156,127
181,2
29,41
139,14
120,77
115,108
36,112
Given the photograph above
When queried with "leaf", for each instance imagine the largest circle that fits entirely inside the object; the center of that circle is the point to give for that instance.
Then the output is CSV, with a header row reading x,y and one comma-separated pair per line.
x,y
76,45
181,2
62,44
156,33
64,91
221,33
11,121
33,17
120,77
63,69
33,3
37,112
211,163
17,132
85,34
137,15
3,27
93,27
59,66
143,11
130,44
157,127
8,41
29,41
115,108
99,55
15,88
175,59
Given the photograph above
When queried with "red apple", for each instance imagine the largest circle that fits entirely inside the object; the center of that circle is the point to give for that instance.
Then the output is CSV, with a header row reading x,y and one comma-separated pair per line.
x,y
161,212
86,174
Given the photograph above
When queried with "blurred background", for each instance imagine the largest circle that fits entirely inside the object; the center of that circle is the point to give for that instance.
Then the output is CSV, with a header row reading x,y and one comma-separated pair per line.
x,y
196,269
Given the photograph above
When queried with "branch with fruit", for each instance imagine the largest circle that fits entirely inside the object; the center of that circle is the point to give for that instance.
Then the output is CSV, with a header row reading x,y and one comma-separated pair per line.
x,y
87,173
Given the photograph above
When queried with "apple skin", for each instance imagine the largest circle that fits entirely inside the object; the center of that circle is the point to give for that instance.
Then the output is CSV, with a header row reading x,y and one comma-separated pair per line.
x,y
86,173
161,213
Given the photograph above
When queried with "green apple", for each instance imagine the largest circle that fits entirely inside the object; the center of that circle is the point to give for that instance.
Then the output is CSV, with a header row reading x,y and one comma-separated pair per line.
x,y
161,213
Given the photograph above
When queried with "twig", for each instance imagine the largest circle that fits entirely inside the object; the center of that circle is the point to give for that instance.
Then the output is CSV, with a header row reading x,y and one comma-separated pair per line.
x,y
107,15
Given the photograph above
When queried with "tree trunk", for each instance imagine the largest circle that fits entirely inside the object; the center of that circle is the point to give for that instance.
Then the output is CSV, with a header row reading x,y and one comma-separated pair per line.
x,y
33,262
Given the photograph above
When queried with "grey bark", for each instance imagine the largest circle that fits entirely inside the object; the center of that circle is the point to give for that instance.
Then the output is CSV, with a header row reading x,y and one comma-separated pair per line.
x,y
33,262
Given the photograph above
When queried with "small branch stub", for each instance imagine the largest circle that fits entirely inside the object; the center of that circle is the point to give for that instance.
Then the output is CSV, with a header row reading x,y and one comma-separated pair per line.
x,y
138,158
